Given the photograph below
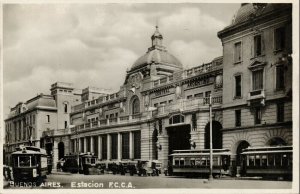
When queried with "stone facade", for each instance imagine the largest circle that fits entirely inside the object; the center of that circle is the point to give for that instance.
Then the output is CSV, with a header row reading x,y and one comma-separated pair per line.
x,y
161,107
156,90
260,35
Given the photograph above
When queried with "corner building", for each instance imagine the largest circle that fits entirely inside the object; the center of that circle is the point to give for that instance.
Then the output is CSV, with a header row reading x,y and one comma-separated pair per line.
x,y
257,69
159,108
41,121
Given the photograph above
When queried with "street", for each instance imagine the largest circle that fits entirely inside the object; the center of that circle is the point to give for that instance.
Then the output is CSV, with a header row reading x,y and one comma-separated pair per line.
x,y
109,181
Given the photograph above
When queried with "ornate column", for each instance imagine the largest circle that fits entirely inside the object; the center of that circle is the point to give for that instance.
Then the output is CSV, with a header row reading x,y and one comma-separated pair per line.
x,y
108,147
99,147
85,144
79,145
92,144
119,146
131,156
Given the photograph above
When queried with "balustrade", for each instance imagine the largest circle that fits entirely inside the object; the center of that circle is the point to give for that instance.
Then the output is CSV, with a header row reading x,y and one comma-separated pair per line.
x,y
181,105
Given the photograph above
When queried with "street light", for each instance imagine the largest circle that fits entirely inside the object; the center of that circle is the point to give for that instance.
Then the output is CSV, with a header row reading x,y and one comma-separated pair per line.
x,y
210,140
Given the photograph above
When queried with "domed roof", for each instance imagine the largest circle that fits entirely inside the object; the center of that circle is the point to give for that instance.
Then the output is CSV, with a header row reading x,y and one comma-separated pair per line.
x,y
157,53
249,10
156,56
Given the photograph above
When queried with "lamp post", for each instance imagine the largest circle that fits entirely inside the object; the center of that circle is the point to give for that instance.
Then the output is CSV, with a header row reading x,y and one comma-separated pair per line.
x,y
210,140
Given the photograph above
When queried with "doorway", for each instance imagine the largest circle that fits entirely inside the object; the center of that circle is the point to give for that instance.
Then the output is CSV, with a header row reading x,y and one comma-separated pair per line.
x,y
179,137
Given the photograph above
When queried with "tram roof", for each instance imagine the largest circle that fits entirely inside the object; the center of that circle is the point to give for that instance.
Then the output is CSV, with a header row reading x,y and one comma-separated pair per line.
x,y
268,148
201,154
201,151
267,152
28,152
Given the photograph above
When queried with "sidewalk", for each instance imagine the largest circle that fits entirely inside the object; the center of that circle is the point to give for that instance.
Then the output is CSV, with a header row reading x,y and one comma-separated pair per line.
x,y
5,184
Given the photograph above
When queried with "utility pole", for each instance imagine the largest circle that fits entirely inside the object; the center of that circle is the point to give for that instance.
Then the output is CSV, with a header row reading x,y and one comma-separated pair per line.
x,y
210,140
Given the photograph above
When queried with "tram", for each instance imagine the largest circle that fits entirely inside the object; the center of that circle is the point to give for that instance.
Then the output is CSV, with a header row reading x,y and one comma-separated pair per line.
x,y
29,164
197,162
85,165
273,161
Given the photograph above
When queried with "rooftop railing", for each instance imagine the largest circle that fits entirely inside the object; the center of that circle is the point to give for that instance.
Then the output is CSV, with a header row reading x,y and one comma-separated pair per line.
x,y
183,105
189,73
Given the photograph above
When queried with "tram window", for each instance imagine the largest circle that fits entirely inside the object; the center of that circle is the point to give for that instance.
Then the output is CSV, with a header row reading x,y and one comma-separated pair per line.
x,y
290,160
207,161
284,160
264,160
93,161
271,160
16,161
88,161
251,160
215,161
181,162
192,162
176,162
257,160
33,161
198,162
203,161
277,160
24,161
44,162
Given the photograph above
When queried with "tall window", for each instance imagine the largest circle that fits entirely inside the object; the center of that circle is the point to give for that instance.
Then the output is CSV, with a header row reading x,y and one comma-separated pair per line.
x,y
280,112
238,86
66,124
114,146
24,129
279,77
257,79
66,108
257,45
16,131
237,52
125,146
207,94
20,130
257,119
104,147
48,118
237,118
135,106
279,38
137,144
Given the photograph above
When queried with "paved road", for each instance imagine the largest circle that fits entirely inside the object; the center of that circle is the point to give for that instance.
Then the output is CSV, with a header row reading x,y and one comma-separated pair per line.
x,y
108,181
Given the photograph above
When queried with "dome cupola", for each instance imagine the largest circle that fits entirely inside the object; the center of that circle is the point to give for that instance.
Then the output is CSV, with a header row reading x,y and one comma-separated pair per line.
x,y
156,38
158,58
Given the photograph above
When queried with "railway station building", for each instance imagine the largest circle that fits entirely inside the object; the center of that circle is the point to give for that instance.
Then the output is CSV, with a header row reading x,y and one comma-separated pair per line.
x,y
163,107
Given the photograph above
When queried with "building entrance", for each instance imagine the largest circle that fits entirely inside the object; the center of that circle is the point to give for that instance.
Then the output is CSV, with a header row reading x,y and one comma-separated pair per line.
x,y
179,137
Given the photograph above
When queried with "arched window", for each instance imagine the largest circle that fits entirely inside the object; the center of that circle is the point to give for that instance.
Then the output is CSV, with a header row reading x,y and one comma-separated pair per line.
x,y
66,108
135,106
275,141
175,119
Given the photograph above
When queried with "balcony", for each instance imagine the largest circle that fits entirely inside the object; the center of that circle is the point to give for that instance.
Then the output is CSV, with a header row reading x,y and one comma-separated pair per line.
x,y
55,132
256,98
202,69
110,122
188,104
183,105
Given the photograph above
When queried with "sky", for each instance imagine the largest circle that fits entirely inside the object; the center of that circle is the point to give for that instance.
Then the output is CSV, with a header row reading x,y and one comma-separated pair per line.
x,y
94,44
